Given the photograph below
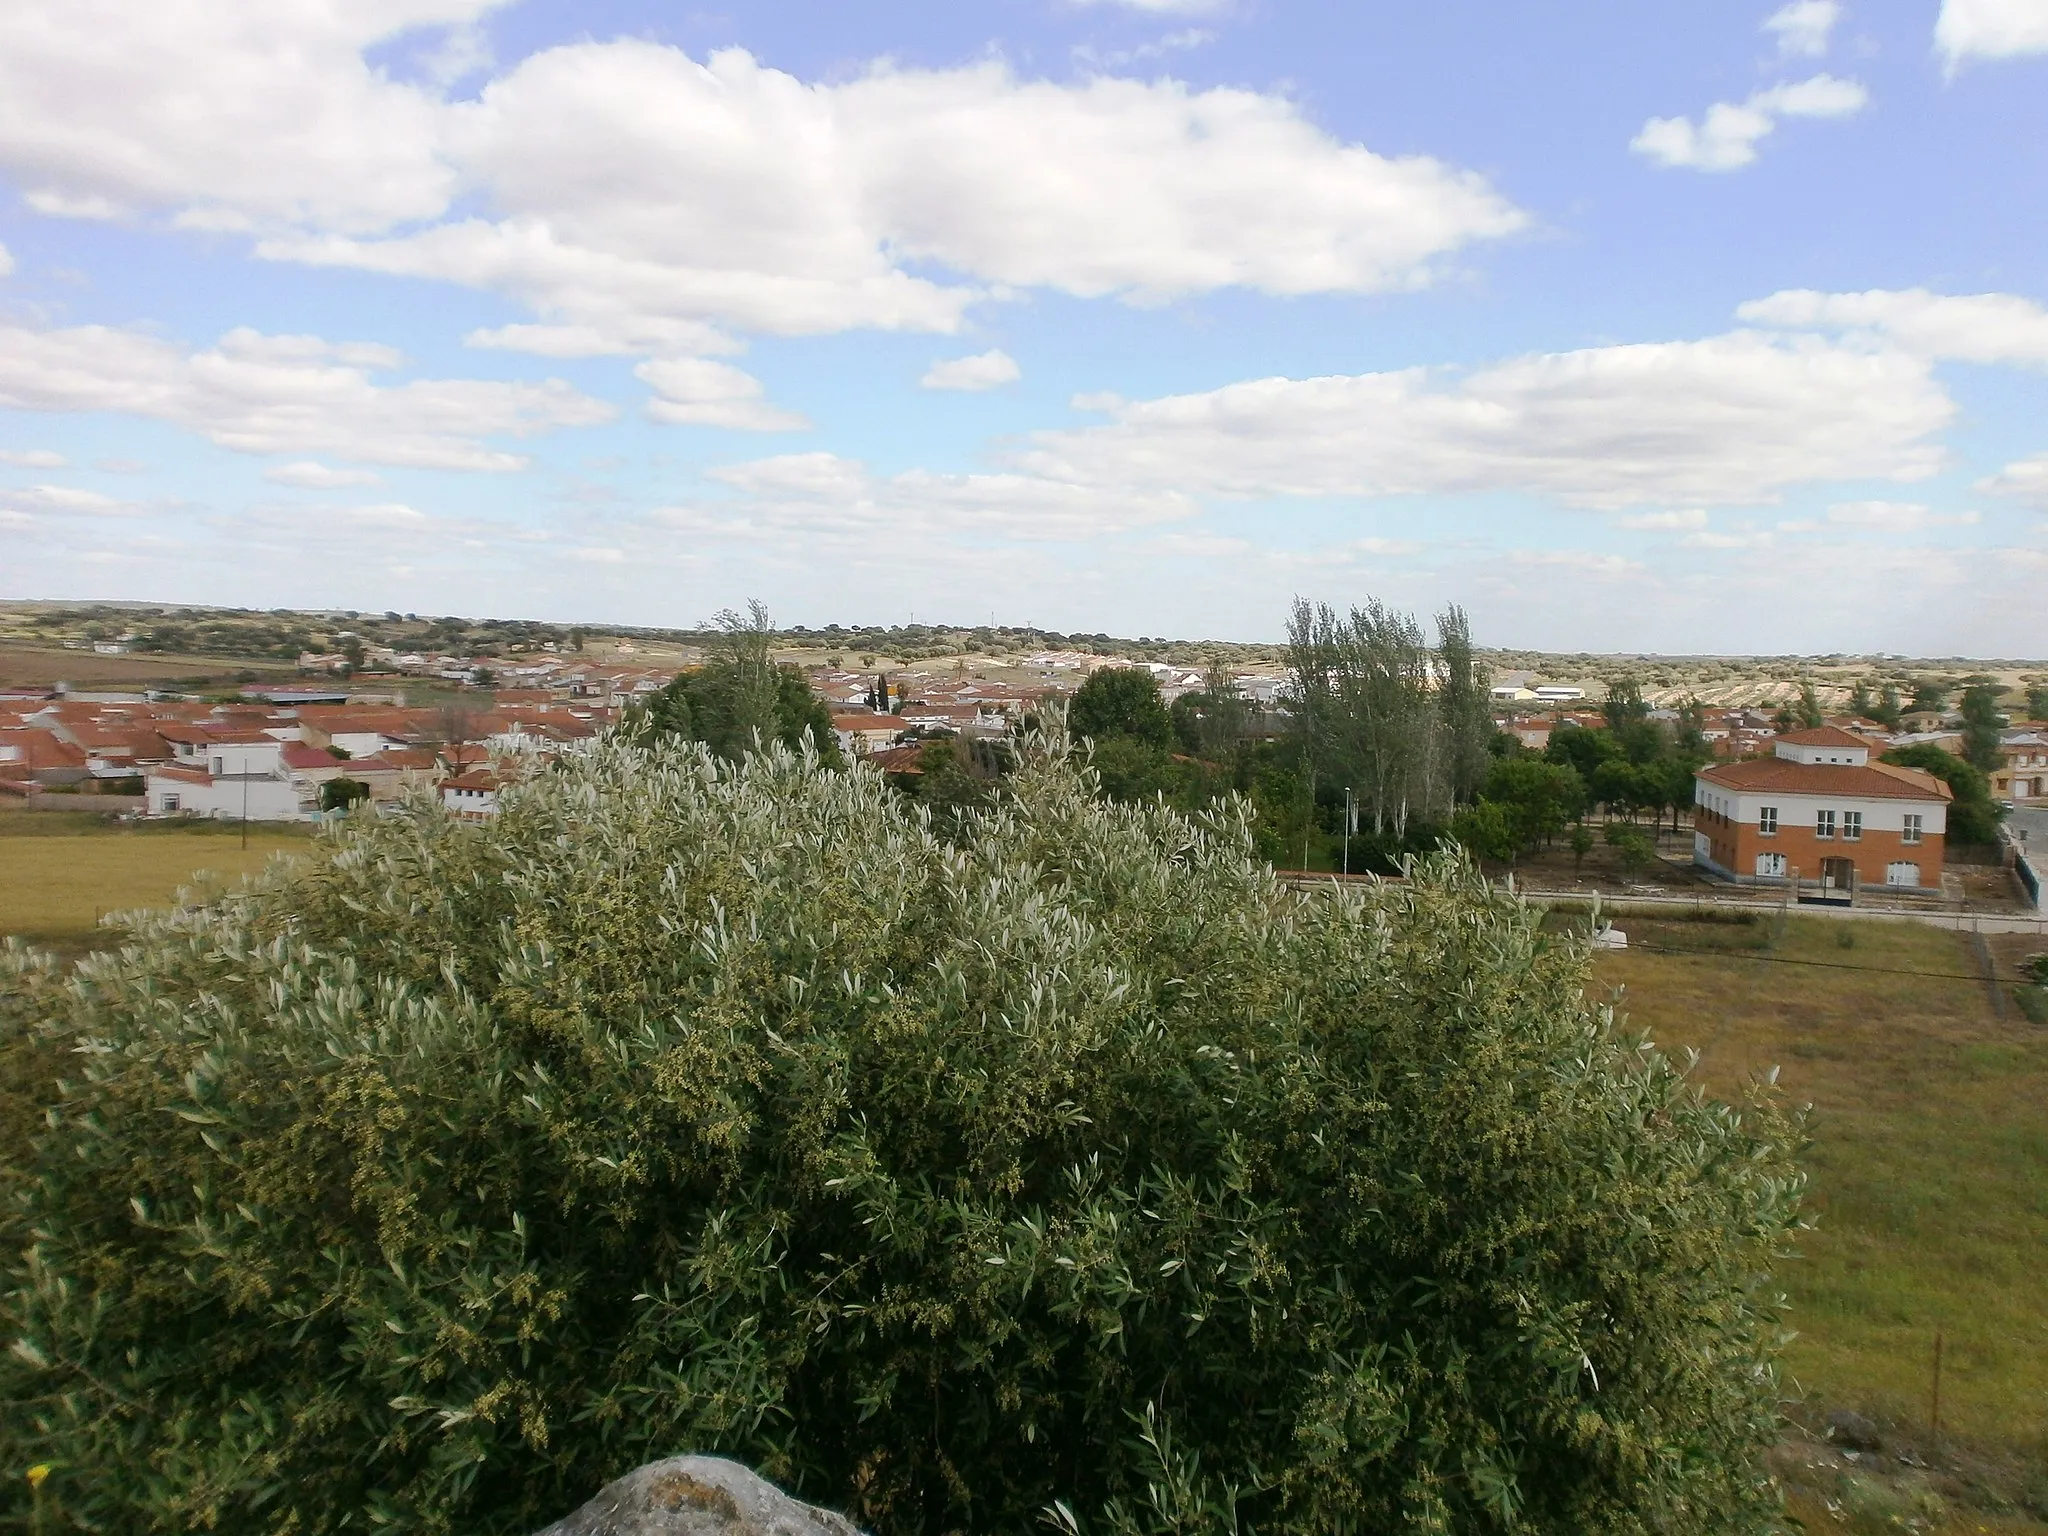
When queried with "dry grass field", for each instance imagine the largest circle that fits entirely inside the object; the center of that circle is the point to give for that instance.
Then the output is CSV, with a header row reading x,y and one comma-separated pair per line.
x,y
25,666
1929,1167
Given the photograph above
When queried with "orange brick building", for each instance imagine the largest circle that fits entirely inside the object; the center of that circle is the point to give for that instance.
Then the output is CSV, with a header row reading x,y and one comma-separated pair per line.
x,y
1819,809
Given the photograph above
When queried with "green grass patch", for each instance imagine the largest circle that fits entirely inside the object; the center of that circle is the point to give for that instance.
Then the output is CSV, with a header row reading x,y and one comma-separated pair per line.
x,y
1928,1151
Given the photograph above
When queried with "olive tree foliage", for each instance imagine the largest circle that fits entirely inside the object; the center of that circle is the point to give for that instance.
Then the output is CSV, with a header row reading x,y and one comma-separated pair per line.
x,y
1069,1171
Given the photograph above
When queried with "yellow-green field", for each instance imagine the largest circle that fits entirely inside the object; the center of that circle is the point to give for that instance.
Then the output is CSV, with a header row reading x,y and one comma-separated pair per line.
x,y
1929,1161
60,875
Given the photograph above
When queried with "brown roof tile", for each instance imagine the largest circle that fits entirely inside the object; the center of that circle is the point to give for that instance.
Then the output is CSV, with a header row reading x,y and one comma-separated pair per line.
x,y
1880,781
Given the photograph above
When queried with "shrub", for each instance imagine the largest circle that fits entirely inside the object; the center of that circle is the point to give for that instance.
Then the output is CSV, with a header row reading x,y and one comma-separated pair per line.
x,y
1075,1166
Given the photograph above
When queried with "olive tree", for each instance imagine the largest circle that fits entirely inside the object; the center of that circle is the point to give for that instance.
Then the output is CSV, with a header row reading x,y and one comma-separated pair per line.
x,y
1068,1169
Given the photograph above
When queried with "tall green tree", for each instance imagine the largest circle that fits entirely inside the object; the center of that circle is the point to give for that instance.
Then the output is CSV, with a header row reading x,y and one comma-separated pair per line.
x,y
1810,716
1120,701
1930,695
1982,725
1464,704
1624,705
1973,816
739,699
1888,711
439,1177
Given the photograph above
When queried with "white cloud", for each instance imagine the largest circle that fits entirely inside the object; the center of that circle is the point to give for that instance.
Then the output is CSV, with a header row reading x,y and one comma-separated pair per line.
x,y
1804,26
725,193
984,370
1747,538
33,458
230,115
1173,42
1164,7
1729,420
316,476
1895,516
1976,328
1991,29
694,391
821,495
634,338
6,262
595,554
67,500
258,394
1692,517
1726,138
2024,480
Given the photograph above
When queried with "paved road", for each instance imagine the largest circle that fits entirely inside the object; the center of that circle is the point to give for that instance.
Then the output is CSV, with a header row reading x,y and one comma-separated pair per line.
x,y
2032,820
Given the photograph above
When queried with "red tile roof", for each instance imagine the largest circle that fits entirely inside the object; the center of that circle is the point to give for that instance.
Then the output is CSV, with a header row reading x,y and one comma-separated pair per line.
x,y
1878,781
1824,736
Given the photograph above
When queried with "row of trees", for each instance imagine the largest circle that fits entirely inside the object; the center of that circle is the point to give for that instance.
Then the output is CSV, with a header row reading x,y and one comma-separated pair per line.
x,y
1386,745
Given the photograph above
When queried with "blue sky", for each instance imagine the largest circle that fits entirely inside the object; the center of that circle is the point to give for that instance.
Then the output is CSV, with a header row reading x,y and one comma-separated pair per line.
x,y
1629,326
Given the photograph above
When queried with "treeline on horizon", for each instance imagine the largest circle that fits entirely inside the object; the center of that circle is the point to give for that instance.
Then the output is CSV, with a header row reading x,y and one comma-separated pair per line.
x,y
1383,747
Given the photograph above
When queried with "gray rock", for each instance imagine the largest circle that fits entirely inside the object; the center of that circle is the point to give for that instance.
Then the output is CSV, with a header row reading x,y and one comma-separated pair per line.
x,y
1854,1432
697,1496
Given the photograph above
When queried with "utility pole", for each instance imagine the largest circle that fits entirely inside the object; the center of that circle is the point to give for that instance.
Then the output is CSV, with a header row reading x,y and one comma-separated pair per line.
x,y
1350,820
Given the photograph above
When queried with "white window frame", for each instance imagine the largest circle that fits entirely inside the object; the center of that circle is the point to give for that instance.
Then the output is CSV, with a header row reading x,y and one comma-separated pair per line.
x,y
1852,826
1912,833
1767,821
170,802
1824,826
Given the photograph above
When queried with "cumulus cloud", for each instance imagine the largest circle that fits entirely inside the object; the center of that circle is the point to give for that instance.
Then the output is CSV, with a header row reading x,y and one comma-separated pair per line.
x,y
229,115
1727,137
984,370
825,495
1975,328
732,194
2025,480
1804,26
32,458
1729,420
1990,29
6,262
315,476
285,394
694,391
1895,516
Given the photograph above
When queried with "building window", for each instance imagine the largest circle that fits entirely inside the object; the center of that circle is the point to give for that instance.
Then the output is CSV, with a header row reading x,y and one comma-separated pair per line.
x,y
1824,824
1767,821
170,802
1852,826
1912,834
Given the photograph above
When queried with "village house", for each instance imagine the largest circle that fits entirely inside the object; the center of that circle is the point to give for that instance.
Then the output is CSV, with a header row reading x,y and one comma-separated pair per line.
x,y
2022,772
1819,810
860,734
472,795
